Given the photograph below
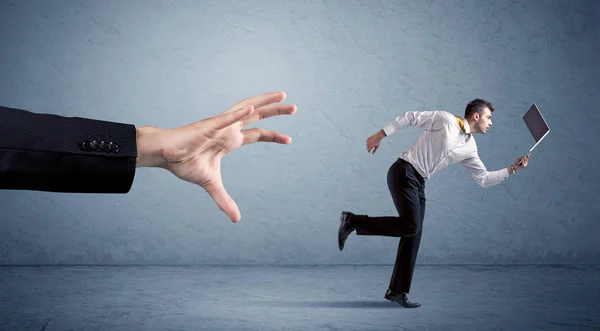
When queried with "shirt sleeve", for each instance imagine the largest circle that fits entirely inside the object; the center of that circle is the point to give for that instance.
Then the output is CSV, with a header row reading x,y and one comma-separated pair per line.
x,y
480,174
429,120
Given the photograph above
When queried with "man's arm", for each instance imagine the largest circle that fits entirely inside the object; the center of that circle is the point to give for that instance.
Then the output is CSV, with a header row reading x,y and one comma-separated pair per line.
x,y
53,153
429,120
47,152
486,178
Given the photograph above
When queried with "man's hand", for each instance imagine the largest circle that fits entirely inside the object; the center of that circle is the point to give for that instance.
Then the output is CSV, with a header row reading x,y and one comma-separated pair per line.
x,y
193,152
523,164
374,141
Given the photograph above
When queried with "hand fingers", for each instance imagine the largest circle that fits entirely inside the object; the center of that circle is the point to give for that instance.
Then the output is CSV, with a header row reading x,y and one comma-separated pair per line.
x,y
260,100
217,192
258,134
269,111
522,161
227,119
373,147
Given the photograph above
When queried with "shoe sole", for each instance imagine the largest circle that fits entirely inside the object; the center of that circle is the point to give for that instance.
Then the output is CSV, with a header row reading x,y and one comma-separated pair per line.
x,y
341,245
394,301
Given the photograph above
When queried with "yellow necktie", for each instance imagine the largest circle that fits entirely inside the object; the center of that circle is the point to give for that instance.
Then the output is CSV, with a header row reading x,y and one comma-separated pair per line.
x,y
461,123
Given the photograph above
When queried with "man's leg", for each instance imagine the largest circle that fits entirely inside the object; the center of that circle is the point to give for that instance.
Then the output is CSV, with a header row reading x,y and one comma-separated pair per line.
x,y
404,185
406,257
407,188
404,267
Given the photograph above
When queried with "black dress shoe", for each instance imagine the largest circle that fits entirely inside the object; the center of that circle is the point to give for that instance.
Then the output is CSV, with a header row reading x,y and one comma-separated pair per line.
x,y
345,228
401,298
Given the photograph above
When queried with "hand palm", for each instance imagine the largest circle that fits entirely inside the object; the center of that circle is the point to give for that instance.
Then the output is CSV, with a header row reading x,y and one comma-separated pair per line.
x,y
197,149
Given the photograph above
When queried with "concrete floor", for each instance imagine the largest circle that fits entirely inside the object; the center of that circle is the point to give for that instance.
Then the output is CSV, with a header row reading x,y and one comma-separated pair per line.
x,y
297,298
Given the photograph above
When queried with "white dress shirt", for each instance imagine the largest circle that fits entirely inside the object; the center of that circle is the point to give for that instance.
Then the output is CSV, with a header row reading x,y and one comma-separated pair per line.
x,y
443,143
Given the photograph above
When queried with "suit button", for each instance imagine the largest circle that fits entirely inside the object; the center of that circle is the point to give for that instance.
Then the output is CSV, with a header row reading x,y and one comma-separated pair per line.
x,y
104,146
86,145
96,145
113,147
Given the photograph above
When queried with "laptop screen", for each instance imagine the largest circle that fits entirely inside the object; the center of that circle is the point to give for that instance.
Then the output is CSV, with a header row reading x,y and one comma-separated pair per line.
x,y
536,123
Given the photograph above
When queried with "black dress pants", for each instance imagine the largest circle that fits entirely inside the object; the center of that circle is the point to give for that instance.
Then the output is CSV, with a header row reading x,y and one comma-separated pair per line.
x,y
407,188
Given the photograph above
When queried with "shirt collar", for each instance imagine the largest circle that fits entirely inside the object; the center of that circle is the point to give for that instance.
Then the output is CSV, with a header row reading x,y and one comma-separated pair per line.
x,y
467,127
463,123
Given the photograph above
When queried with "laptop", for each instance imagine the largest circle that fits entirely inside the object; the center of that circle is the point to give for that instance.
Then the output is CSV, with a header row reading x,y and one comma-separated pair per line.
x,y
536,124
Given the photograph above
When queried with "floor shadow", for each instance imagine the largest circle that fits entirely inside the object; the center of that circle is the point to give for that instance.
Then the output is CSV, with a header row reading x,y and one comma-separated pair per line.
x,y
334,304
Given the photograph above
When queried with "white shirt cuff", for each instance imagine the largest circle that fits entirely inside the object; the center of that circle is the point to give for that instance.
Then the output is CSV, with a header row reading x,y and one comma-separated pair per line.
x,y
389,129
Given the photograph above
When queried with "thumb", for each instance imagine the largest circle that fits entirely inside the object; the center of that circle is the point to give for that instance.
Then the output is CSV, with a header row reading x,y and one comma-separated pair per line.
x,y
217,192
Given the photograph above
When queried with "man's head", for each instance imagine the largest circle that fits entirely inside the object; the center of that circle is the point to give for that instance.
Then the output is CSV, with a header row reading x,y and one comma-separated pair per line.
x,y
479,115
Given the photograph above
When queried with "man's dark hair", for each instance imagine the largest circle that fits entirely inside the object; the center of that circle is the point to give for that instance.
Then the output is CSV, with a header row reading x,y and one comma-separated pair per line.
x,y
477,106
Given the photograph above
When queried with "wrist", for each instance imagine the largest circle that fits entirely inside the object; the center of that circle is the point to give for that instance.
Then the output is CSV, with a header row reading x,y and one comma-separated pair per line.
x,y
149,147
381,134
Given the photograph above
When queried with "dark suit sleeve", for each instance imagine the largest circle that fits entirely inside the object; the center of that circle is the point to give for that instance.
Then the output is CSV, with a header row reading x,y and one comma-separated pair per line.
x,y
45,152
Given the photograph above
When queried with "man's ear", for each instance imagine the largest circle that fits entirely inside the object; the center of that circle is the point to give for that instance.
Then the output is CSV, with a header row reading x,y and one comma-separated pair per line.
x,y
476,117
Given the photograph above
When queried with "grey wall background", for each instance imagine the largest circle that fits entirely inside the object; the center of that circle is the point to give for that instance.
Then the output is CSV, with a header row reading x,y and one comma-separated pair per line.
x,y
350,66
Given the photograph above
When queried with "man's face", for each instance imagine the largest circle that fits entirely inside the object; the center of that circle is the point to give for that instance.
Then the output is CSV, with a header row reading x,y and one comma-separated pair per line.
x,y
483,121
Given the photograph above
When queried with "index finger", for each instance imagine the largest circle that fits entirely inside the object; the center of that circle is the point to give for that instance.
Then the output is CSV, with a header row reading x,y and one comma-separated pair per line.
x,y
259,100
